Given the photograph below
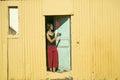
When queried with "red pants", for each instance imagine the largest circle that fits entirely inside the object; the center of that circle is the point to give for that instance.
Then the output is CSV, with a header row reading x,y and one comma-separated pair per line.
x,y
52,57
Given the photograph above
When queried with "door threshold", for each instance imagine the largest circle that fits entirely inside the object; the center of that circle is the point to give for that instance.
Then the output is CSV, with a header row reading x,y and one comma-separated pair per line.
x,y
59,75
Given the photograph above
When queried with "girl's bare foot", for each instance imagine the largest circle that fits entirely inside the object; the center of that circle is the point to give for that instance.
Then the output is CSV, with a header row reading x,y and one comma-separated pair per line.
x,y
51,69
54,69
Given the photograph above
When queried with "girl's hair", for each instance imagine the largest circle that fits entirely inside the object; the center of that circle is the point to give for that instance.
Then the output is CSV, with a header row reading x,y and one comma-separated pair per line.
x,y
48,26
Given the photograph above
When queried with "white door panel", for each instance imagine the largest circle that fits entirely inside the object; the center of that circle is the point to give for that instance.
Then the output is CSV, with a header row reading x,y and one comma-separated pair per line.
x,y
64,45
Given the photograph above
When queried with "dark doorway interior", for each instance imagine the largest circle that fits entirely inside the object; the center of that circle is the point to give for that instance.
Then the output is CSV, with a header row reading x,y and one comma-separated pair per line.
x,y
48,19
62,25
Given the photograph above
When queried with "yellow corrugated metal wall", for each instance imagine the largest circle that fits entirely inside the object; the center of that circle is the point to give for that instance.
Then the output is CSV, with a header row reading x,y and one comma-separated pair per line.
x,y
1,61
34,39
97,41
95,33
97,23
104,17
3,46
81,41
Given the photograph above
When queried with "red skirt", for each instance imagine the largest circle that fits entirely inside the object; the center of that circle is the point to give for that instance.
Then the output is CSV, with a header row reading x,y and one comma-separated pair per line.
x,y
52,56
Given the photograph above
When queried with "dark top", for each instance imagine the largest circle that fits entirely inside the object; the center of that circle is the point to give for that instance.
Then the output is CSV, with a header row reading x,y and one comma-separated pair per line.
x,y
53,43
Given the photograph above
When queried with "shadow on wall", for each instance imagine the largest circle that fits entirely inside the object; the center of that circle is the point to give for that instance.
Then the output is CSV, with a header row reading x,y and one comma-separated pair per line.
x,y
12,31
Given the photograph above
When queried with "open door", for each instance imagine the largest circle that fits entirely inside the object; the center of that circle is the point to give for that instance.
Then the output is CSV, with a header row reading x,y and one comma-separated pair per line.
x,y
63,43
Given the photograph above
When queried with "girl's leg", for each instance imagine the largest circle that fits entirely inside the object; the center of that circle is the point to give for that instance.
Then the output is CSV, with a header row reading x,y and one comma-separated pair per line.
x,y
50,58
55,59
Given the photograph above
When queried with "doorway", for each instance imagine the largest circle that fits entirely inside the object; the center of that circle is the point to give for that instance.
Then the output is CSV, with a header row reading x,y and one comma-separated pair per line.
x,y
61,25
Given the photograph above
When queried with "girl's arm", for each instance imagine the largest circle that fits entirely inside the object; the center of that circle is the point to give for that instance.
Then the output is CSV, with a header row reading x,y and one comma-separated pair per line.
x,y
51,40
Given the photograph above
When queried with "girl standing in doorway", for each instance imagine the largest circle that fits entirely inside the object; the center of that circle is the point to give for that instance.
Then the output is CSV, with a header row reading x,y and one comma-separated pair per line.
x,y
52,53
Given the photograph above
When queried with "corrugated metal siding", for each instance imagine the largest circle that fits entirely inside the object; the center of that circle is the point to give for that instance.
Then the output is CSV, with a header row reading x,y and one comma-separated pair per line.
x,y
104,17
3,54
16,63
1,61
97,22
82,56
61,7
34,39
95,33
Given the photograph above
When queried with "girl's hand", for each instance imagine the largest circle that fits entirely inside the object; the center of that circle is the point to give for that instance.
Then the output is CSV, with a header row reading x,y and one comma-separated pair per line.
x,y
57,35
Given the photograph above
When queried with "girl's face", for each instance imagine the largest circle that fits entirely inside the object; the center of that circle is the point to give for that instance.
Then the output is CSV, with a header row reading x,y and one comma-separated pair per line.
x,y
51,27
